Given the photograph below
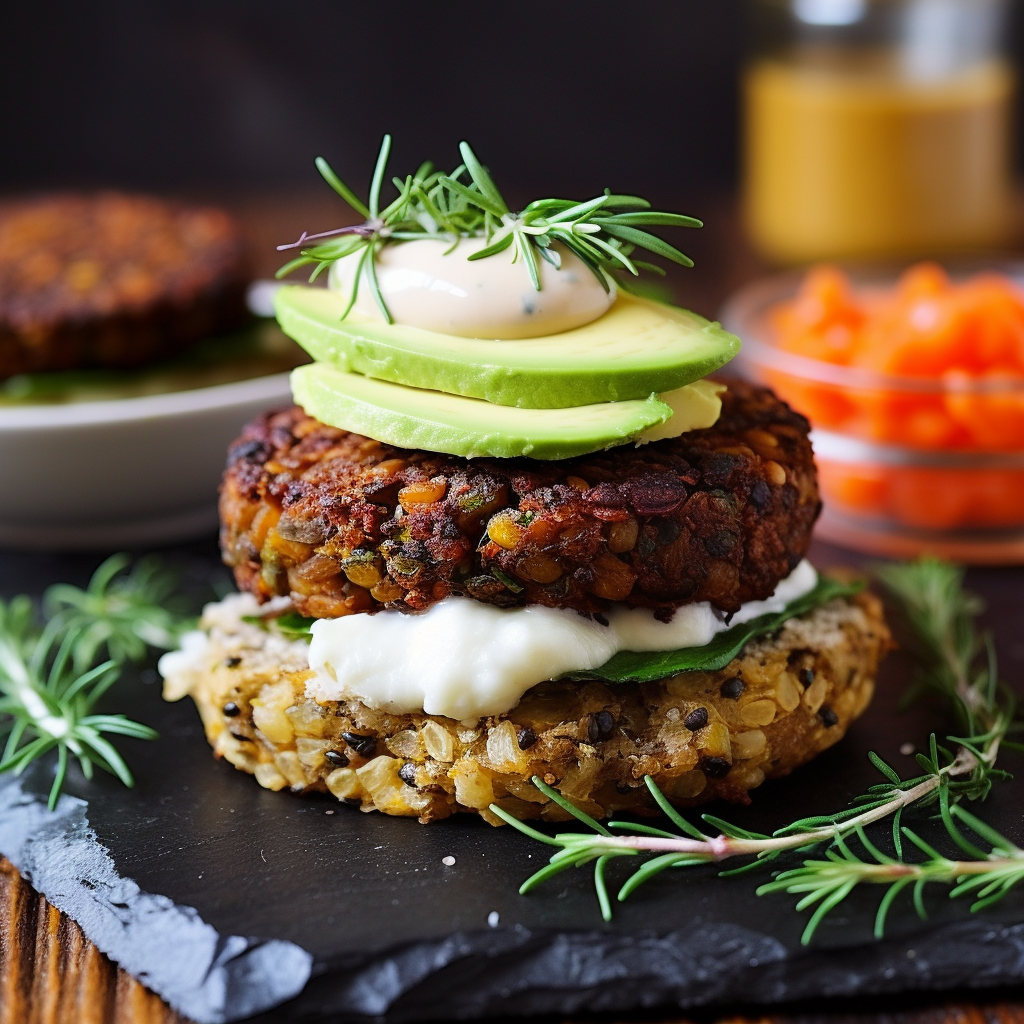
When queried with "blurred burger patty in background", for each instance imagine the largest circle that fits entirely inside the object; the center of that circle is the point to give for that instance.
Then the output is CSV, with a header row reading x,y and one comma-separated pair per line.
x,y
112,280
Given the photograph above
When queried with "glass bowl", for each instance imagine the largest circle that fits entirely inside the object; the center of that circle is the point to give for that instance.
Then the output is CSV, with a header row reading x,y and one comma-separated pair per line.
x,y
906,464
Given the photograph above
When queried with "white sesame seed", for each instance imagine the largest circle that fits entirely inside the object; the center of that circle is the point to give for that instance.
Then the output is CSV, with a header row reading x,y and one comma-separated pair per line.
x,y
448,861
492,919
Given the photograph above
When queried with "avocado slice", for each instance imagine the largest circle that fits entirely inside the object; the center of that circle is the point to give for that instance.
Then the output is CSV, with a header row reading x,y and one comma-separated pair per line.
x,y
438,422
637,348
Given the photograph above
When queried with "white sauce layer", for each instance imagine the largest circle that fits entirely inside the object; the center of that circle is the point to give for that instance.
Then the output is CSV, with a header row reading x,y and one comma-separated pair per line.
x,y
425,286
464,659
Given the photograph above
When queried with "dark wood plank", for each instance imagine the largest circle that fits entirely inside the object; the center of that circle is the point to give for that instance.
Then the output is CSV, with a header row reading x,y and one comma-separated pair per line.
x,y
51,974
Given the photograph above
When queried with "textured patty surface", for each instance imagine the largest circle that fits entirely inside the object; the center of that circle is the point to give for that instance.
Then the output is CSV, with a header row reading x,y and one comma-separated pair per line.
x,y
343,523
699,735
113,280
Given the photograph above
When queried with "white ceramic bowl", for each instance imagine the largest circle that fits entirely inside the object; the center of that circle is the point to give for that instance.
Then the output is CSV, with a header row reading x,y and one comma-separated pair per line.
x,y
125,472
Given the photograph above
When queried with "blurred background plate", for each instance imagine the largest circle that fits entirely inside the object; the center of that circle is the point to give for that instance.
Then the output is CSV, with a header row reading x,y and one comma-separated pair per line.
x,y
126,472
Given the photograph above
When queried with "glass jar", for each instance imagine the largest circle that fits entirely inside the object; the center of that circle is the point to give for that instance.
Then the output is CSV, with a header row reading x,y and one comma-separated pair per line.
x,y
877,127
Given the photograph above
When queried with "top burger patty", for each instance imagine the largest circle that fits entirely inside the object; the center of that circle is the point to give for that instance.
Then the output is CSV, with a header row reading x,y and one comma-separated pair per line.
x,y
344,523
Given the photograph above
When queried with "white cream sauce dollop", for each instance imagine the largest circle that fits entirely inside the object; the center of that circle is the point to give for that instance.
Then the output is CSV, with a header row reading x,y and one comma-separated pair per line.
x,y
464,659
426,286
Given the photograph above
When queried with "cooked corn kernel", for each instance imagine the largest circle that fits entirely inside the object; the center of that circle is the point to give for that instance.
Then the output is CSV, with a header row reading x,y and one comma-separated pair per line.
x,y
504,532
423,492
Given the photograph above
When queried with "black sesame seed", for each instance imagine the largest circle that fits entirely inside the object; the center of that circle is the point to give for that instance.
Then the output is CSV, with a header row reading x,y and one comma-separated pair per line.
x,y
696,719
601,619
336,757
715,767
231,709
526,737
407,773
828,717
364,746
233,662
806,676
732,688
601,726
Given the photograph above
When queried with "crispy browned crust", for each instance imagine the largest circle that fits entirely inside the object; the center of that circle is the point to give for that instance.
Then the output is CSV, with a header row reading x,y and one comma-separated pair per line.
x,y
700,735
344,524
113,280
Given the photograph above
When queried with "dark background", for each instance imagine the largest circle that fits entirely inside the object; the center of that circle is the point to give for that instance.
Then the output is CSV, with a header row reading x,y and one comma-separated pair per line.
x,y
238,96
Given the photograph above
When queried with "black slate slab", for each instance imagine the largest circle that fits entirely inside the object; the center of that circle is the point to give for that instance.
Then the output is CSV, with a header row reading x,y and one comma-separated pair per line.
x,y
228,900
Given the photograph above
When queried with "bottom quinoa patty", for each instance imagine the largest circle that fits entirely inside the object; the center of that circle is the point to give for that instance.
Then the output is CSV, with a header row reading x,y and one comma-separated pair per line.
x,y
700,735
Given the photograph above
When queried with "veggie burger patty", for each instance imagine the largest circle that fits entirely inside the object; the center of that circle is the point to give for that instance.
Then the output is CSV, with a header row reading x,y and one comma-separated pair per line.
x,y
700,735
342,523
113,280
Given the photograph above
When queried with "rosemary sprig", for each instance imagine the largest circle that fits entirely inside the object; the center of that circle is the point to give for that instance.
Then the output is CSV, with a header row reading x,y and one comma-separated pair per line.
x,y
953,661
51,676
823,884
125,612
603,232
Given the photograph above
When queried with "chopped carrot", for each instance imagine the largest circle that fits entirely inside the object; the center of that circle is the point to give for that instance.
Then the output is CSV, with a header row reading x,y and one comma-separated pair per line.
x,y
960,343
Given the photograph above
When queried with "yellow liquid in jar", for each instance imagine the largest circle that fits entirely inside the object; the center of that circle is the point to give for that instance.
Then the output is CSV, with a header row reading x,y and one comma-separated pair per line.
x,y
847,163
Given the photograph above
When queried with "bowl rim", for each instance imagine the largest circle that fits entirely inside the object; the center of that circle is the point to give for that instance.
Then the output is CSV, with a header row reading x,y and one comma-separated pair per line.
x,y
58,416
741,311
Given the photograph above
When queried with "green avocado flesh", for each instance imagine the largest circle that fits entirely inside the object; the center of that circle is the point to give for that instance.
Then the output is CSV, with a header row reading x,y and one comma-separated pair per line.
x,y
414,418
637,348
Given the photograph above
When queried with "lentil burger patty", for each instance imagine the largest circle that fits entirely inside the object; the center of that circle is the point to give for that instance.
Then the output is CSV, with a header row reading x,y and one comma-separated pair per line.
x,y
343,523
113,280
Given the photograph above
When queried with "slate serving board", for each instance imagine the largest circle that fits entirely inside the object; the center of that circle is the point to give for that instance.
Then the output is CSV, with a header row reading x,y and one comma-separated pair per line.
x,y
229,900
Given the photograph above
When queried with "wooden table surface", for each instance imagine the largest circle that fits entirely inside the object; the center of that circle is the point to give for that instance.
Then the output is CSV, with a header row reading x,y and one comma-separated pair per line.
x,y
51,974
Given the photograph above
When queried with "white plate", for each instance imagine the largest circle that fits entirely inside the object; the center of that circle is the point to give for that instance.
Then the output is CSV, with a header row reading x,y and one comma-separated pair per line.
x,y
126,472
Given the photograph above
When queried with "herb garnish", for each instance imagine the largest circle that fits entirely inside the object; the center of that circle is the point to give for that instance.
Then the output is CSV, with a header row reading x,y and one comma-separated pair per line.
x,y
953,662
51,675
603,232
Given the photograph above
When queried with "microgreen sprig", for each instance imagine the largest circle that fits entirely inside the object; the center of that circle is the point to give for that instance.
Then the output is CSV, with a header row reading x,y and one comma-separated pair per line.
x,y
603,232
51,675
953,661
